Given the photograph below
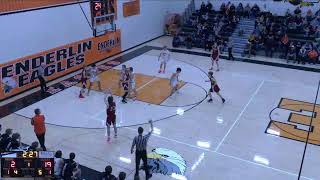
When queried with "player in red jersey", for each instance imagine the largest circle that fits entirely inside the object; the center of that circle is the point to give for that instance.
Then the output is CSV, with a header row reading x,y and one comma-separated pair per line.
x,y
111,114
215,56
214,87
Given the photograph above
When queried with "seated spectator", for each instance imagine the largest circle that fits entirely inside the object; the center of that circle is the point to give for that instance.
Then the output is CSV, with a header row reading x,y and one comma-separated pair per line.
x,y
306,30
292,25
122,176
299,23
317,35
209,42
302,57
5,140
15,143
291,53
248,50
188,42
308,47
34,146
176,41
58,165
309,16
288,13
297,11
316,22
69,167
76,173
107,174
313,56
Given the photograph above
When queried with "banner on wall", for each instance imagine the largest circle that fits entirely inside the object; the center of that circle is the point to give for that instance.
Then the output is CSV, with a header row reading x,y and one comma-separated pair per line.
x,y
131,8
19,5
21,74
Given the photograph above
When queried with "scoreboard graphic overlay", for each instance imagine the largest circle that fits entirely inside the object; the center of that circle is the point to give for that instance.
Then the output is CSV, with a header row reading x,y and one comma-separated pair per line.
x,y
27,164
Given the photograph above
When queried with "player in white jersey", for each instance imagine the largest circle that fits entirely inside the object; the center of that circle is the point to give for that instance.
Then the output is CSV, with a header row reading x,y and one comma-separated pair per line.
x,y
93,77
122,75
164,57
174,81
132,83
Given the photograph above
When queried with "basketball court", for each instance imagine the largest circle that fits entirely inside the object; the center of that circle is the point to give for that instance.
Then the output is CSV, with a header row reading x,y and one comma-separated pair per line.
x,y
259,130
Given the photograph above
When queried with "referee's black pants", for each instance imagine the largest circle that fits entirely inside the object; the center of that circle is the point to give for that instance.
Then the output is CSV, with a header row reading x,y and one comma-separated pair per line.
x,y
142,155
43,84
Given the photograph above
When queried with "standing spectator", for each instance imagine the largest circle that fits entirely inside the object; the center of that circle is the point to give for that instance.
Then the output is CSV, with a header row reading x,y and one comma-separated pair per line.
x,y
255,10
107,174
41,78
58,165
140,142
223,8
209,6
239,10
15,143
39,127
285,44
0,129
122,176
230,46
269,45
247,11
298,47
203,8
5,140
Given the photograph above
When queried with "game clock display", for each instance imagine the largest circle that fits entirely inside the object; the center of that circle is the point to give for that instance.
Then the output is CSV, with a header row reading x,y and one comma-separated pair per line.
x,y
28,164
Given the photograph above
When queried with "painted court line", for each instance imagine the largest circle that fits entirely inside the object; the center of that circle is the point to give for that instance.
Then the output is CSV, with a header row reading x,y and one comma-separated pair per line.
x,y
239,116
225,155
152,80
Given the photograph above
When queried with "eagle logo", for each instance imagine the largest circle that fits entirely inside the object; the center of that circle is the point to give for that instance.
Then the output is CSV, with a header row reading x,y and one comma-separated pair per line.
x,y
8,84
166,162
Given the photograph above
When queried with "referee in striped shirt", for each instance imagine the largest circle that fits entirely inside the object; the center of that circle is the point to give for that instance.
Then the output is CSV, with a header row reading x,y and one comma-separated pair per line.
x,y
140,142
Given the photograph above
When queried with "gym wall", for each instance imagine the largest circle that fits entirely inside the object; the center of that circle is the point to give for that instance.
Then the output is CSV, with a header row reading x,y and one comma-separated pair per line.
x,y
51,32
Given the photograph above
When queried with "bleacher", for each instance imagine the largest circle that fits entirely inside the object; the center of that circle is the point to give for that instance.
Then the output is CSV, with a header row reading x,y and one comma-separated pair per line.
x,y
199,29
